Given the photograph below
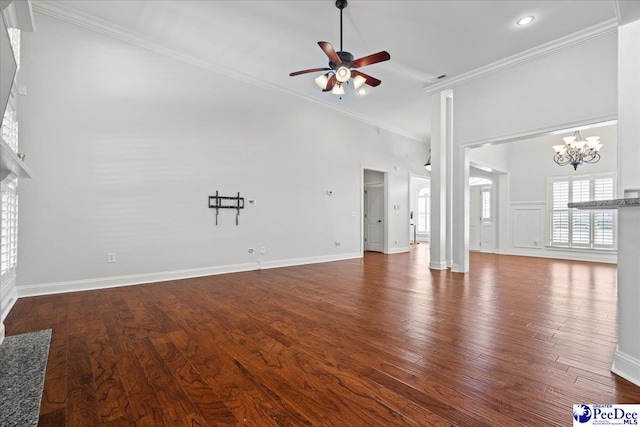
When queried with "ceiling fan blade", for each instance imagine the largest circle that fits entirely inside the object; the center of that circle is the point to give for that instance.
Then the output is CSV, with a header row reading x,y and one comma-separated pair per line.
x,y
312,70
371,81
330,84
330,52
371,59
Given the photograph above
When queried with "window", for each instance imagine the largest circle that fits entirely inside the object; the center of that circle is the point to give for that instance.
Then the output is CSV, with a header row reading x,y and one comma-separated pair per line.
x,y
578,228
486,205
10,126
14,39
424,211
9,229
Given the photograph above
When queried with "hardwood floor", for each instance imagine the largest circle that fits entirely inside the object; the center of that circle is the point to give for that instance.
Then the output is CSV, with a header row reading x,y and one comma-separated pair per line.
x,y
381,341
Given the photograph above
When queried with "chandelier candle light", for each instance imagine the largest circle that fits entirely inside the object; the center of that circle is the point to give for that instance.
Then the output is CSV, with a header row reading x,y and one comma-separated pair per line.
x,y
576,150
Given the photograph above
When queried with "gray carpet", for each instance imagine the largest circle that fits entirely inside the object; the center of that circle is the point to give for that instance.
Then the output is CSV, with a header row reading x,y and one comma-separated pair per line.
x,y
23,362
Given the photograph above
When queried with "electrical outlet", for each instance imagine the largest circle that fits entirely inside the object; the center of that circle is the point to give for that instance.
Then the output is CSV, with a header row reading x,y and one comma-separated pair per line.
x,y
111,257
263,249
250,250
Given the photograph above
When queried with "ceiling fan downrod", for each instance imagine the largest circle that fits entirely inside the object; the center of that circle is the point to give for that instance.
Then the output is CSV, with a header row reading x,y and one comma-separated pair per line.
x,y
341,4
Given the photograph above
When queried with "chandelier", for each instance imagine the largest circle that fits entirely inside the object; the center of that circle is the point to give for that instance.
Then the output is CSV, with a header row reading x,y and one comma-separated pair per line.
x,y
576,150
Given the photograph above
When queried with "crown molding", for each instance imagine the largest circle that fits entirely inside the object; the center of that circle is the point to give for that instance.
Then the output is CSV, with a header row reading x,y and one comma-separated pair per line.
x,y
604,28
65,13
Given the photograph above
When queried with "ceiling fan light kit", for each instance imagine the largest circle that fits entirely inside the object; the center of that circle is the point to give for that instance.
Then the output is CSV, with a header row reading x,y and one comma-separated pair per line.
x,y
358,81
338,89
322,81
342,66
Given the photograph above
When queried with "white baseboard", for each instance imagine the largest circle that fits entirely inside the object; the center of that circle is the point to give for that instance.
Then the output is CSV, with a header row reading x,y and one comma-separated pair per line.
x,y
11,298
133,279
1,332
309,260
570,255
438,265
628,367
398,250
137,279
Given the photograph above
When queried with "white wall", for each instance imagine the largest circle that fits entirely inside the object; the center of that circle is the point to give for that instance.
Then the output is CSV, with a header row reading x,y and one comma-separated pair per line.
x,y
569,86
531,162
494,156
126,145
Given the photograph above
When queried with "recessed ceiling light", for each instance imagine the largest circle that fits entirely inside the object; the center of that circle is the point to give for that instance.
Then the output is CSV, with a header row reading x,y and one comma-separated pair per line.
x,y
362,91
525,20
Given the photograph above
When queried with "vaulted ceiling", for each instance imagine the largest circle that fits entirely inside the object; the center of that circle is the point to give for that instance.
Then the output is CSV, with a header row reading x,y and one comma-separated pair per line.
x,y
263,41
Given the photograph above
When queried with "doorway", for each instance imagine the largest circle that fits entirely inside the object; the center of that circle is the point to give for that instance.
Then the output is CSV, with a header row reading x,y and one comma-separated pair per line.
x,y
420,209
373,211
481,214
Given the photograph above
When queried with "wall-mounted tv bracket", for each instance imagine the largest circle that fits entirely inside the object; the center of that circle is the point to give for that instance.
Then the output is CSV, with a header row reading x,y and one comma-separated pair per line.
x,y
224,202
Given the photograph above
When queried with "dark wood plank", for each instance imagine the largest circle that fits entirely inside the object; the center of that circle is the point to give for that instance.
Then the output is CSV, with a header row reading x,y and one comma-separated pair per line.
x,y
81,390
378,341
112,399
208,403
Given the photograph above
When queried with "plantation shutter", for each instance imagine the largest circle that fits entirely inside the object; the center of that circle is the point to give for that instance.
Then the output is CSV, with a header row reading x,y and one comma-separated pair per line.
x,y
580,228
560,212
603,220
580,223
8,231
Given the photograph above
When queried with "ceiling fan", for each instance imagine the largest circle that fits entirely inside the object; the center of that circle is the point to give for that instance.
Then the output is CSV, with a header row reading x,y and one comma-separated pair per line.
x,y
342,65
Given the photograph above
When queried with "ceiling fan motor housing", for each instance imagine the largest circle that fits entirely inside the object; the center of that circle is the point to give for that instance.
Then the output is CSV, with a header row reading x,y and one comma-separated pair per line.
x,y
345,60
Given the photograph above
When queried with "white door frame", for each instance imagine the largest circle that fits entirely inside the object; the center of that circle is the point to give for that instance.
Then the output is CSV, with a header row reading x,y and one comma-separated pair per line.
x,y
413,196
475,223
385,204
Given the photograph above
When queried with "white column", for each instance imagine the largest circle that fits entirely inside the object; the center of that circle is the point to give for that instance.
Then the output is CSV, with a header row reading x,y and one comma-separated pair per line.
x,y
504,198
449,154
460,223
626,361
437,240
629,106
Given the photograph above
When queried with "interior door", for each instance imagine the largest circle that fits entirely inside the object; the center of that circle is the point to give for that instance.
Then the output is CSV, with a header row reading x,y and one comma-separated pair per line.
x,y
486,220
474,219
374,219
